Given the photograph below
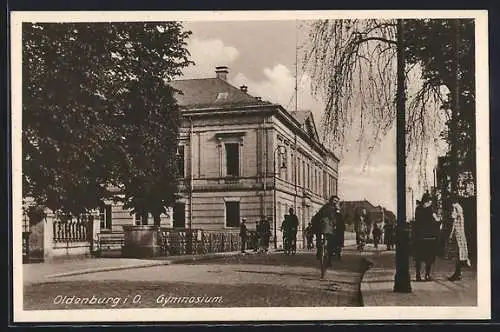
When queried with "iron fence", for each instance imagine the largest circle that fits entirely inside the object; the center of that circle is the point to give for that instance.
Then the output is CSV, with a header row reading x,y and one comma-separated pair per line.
x,y
174,241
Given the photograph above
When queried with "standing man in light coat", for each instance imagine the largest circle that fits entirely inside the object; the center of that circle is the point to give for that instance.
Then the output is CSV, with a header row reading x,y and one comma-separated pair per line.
x,y
457,236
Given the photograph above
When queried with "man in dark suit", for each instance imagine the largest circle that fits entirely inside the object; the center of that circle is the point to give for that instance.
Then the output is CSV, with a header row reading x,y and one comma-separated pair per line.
x,y
243,235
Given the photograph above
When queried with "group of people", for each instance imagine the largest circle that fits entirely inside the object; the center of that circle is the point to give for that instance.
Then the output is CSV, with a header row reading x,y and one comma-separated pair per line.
x,y
328,221
262,234
426,232
362,226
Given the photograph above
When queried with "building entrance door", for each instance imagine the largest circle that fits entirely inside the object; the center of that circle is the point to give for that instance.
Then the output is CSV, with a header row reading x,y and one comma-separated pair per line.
x,y
180,215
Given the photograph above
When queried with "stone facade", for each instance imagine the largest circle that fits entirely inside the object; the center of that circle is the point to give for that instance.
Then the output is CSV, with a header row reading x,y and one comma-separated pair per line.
x,y
242,157
279,160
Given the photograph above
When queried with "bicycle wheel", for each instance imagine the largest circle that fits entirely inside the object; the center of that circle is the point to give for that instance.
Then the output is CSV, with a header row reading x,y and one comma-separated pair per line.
x,y
323,260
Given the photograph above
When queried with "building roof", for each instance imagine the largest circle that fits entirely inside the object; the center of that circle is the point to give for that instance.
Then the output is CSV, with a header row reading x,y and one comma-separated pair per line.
x,y
306,120
217,93
301,116
212,92
351,208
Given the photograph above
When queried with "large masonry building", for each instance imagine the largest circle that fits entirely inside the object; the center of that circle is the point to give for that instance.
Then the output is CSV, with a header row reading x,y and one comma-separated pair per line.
x,y
242,157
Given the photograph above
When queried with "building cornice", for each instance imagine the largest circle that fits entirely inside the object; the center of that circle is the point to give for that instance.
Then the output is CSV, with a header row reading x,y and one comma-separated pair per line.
x,y
272,109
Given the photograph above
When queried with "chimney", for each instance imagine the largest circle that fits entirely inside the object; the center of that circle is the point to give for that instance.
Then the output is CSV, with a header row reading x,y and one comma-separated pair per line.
x,y
244,88
222,72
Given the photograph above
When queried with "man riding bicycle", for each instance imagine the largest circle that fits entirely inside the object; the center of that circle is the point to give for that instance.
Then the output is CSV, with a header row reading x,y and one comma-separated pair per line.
x,y
325,223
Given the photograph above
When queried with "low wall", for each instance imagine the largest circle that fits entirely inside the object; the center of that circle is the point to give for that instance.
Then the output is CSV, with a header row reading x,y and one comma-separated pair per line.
x,y
49,240
68,249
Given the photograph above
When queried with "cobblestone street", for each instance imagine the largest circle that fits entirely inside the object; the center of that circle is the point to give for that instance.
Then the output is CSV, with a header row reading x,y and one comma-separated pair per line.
x,y
244,281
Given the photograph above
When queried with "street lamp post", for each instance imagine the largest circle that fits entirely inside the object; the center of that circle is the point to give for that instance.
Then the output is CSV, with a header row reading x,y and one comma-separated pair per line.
x,y
282,151
412,212
402,278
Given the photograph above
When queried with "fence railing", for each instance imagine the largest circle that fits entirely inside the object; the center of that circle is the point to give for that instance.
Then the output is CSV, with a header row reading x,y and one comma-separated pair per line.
x,y
71,230
196,241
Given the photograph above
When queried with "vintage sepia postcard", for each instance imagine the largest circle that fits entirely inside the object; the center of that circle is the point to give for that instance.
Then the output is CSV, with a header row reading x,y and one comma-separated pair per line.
x,y
250,166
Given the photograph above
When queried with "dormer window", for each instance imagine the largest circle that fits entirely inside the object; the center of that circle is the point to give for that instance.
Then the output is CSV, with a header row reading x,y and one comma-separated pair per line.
x,y
222,96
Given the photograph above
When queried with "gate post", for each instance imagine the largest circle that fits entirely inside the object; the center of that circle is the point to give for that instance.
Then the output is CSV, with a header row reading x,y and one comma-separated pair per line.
x,y
48,235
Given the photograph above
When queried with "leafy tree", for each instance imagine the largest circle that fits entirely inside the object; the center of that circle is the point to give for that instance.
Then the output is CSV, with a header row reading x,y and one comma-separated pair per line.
x,y
99,119
353,63
445,49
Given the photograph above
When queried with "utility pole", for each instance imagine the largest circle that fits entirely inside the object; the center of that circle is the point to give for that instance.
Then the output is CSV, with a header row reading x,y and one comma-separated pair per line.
x,y
402,278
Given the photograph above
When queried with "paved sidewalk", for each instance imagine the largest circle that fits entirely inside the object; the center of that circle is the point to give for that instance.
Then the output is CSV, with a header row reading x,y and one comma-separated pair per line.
x,y
378,282
44,272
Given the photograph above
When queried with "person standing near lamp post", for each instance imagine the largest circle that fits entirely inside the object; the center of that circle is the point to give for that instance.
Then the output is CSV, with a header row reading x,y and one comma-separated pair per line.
x,y
457,239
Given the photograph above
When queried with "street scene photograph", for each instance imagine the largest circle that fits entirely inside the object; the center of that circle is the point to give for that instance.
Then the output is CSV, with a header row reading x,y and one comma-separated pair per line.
x,y
259,161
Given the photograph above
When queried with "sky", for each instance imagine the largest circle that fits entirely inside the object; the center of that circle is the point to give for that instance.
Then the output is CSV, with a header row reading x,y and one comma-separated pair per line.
x,y
261,55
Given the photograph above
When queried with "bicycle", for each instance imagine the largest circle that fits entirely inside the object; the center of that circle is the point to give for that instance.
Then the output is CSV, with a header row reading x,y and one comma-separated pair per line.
x,y
323,255
286,245
293,244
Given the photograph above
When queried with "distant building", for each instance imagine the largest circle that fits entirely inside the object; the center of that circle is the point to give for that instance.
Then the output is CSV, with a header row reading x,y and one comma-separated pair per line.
x,y
241,157
376,214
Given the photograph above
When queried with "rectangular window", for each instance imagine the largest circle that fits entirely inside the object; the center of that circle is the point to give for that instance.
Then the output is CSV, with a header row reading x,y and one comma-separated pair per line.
x,y
308,176
105,216
141,219
180,161
179,215
232,159
232,214
315,179
297,171
303,173
287,168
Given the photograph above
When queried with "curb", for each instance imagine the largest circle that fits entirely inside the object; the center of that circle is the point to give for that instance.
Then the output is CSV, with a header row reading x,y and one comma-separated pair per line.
x,y
367,265
159,262
106,269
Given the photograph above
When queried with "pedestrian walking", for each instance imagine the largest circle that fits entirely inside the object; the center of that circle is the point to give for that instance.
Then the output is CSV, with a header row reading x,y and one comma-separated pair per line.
x,y
266,233
457,239
425,237
258,235
377,235
243,235
388,234
309,236
360,227
290,227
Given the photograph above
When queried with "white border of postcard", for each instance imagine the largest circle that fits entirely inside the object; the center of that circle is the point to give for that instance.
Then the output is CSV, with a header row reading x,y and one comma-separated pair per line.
x,y
481,311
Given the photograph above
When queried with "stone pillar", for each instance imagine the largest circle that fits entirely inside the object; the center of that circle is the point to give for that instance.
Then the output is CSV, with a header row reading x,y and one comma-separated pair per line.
x,y
141,241
48,236
96,228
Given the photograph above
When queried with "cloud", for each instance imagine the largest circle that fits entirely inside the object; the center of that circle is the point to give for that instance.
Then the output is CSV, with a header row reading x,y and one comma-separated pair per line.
x,y
207,54
376,183
278,86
